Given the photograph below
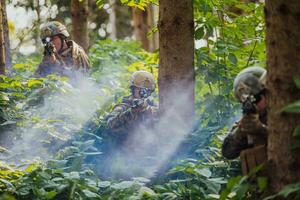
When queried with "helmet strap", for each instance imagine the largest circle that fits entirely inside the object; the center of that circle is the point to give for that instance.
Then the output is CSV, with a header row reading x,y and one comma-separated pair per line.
x,y
132,88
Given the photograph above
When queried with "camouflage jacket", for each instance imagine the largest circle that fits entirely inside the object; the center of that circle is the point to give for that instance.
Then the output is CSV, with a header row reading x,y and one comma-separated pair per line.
x,y
234,143
123,120
73,58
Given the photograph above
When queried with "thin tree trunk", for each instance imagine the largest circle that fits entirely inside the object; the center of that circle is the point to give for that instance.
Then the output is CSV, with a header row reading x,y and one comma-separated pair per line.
x,y
140,25
152,22
79,10
283,63
176,70
2,47
6,35
38,22
113,20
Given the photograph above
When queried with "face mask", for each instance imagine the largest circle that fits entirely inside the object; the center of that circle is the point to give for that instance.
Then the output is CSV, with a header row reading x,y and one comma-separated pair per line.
x,y
144,92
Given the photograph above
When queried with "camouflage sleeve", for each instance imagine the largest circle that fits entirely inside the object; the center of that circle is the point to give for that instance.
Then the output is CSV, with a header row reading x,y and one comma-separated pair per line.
x,y
119,118
233,144
84,60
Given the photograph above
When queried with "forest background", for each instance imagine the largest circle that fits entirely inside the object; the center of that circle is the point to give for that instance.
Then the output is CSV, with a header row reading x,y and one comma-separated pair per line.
x,y
122,37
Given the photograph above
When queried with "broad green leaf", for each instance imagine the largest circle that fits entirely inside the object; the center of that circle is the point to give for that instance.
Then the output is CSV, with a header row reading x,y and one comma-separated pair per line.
x,y
297,81
34,82
241,190
31,167
104,184
90,194
204,172
232,58
51,195
72,175
292,108
7,183
123,185
262,183
289,189
199,33
296,132
19,66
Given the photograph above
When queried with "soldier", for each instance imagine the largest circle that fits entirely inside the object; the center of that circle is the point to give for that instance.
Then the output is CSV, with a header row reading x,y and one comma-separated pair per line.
x,y
248,138
127,121
60,53
136,108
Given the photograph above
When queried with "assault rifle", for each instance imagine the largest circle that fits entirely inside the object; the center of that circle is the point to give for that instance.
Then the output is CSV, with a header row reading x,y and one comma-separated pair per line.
x,y
248,105
138,102
48,46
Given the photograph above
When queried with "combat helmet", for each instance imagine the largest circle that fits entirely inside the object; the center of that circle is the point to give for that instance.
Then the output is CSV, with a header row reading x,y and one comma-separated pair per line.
x,y
249,81
53,28
142,79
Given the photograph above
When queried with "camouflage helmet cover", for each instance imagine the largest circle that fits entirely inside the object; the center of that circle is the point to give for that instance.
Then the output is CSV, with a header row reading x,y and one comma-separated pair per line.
x,y
53,28
142,79
249,81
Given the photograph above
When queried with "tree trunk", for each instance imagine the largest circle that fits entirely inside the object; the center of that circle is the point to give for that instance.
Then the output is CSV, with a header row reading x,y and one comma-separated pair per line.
x,y
152,22
176,46
6,35
283,61
79,10
113,20
140,25
38,23
2,47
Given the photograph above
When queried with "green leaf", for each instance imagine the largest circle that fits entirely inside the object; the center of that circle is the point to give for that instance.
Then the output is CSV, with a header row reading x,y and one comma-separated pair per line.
x,y
296,132
72,175
34,82
7,183
262,183
204,172
232,58
292,108
92,153
123,185
199,33
241,190
289,189
297,81
90,194
51,194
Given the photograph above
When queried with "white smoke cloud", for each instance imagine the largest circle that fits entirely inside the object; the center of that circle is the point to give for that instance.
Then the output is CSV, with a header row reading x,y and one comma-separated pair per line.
x,y
61,115
148,148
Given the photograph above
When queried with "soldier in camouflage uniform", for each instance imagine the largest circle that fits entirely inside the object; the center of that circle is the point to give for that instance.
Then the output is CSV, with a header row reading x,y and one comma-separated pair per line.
x,y
135,114
134,109
248,138
60,53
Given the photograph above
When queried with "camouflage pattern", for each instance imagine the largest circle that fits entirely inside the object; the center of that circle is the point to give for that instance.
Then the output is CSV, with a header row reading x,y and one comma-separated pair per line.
x,y
123,119
72,58
53,28
121,126
236,141
247,82
143,79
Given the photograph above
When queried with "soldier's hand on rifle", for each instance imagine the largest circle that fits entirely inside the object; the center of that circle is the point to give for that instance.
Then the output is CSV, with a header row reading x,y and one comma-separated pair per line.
x,y
139,105
251,125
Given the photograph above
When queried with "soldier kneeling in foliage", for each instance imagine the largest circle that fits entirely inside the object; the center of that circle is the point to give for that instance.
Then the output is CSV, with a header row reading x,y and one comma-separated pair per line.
x,y
248,138
61,55
135,114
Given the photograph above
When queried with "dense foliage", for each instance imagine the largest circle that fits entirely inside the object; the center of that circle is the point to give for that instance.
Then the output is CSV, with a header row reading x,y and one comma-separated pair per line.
x,y
229,37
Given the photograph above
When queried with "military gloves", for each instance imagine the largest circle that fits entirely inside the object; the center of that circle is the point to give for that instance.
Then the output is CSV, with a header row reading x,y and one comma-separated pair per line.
x,y
251,125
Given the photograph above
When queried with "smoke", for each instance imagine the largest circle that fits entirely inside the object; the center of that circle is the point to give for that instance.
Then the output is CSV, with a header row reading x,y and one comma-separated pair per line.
x,y
145,151
148,148
61,115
